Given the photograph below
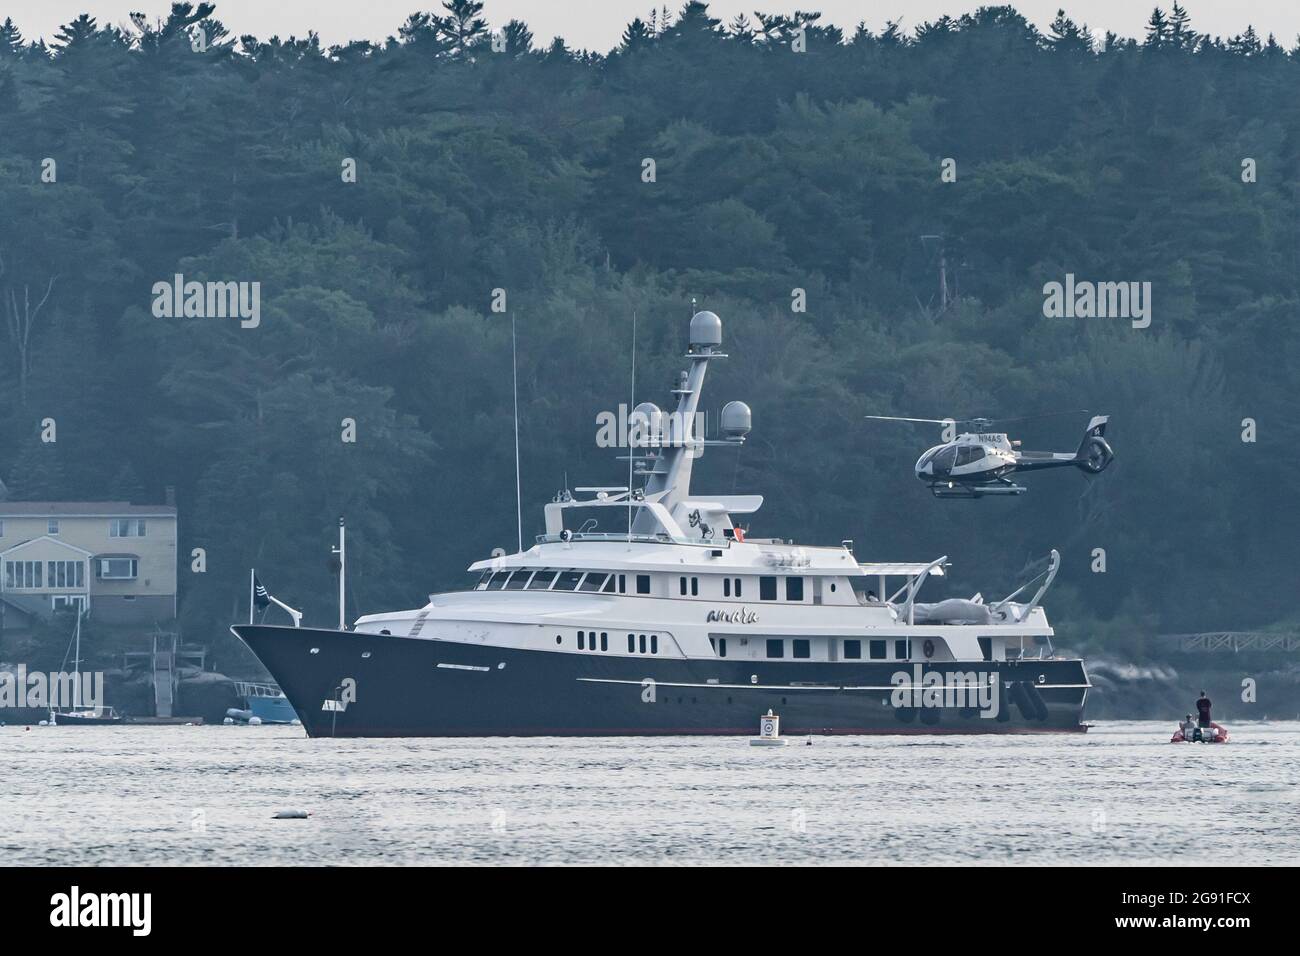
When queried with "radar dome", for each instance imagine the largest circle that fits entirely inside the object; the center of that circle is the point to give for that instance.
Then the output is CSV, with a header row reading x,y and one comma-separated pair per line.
x,y
706,329
736,420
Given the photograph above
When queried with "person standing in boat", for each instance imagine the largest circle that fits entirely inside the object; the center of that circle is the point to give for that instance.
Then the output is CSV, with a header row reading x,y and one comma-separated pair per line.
x,y
1203,709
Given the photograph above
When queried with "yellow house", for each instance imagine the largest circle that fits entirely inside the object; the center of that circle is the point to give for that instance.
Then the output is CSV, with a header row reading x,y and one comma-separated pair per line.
x,y
115,560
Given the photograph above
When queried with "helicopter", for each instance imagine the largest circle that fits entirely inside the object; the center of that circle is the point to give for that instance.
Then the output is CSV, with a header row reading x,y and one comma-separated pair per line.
x,y
978,463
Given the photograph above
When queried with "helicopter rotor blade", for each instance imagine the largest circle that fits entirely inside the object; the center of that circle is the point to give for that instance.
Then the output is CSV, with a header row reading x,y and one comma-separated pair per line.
x,y
929,421
1026,418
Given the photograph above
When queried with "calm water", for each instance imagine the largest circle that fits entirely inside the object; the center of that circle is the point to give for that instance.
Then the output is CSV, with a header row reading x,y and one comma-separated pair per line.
x,y
196,795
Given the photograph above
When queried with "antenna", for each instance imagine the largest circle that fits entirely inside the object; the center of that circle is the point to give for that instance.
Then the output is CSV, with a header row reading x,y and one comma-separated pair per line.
x,y
630,455
514,371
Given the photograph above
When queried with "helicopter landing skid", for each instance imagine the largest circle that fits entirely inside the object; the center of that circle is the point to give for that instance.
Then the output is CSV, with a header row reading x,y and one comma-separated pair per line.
x,y
954,490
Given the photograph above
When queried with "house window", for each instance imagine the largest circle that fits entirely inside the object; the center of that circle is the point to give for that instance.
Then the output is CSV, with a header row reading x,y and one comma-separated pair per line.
x,y
767,589
643,584
126,528
65,574
2,529
52,526
22,575
794,589
877,650
775,647
802,648
853,650
117,569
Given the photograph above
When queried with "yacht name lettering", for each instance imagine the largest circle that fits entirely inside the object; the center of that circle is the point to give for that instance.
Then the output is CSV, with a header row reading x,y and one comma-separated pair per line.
x,y
743,616
979,690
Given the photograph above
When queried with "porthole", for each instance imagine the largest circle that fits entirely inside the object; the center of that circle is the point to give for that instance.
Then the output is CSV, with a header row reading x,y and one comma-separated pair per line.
x,y
365,655
315,650
559,639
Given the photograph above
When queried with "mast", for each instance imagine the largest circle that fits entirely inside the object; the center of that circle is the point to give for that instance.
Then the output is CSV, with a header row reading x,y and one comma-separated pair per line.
x,y
680,443
76,667
343,573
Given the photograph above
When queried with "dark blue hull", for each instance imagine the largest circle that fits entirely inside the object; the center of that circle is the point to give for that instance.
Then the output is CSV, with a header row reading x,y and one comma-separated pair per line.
x,y
349,684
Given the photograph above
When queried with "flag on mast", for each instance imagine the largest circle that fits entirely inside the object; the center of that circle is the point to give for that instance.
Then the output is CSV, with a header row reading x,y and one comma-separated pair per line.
x,y
261,597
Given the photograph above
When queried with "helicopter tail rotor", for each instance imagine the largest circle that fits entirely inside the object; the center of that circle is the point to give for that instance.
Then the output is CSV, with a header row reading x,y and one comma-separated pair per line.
x,y
1095,454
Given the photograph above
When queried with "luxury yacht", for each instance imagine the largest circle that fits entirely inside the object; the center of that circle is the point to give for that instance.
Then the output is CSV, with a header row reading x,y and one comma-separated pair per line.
x,y
679,621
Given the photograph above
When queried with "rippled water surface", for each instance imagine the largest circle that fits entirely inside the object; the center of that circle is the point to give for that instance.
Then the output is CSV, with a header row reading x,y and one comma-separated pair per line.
x,y
206,795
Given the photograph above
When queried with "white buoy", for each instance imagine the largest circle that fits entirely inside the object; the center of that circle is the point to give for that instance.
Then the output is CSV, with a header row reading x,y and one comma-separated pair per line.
x,y
228,721
254,721
769,732
291,815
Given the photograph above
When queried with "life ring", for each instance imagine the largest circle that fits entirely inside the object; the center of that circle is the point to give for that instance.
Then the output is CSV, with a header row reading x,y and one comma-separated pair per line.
x,y
928,647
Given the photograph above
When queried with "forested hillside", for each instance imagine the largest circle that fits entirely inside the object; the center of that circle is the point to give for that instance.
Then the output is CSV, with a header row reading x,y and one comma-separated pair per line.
x,y
788,155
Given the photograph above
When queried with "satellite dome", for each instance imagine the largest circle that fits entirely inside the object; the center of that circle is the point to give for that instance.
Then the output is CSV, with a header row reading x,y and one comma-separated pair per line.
x,y
736,420
706,329
645,424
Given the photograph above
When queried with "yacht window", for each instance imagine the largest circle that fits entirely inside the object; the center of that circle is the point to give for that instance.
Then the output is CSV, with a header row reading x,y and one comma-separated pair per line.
x,y
903,649
794,589
641,642
542,580
604,640
722,647
631,643
594,581
738,587
609,585
726,587
643,584
853,650
654,643
682,585
622,584
877,650
986,648
498,581
767,589
695,587
483,580
775,647
802,648
568,580
518,580
581,643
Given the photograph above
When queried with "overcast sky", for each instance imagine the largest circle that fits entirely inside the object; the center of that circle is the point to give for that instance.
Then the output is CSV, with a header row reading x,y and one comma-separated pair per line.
x,y
597,24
